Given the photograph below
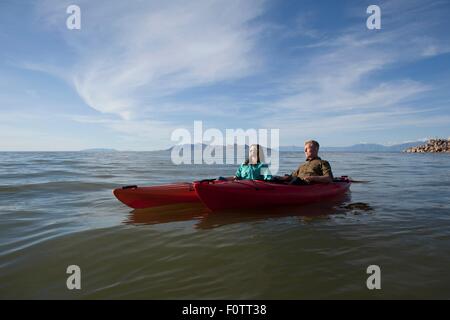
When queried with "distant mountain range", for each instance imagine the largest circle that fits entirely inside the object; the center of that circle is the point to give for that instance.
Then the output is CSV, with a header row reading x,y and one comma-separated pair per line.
x,y
98,150
229,146
362,147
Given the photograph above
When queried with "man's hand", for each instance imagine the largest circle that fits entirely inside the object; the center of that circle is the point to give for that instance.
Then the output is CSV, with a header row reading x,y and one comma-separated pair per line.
x,y
309,179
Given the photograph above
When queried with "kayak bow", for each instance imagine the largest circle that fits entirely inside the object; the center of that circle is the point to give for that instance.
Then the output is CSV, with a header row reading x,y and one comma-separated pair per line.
x,y
155,196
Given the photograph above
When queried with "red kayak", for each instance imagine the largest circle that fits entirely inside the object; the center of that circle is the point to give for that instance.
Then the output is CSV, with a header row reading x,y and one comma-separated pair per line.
x,y
155,196
220,195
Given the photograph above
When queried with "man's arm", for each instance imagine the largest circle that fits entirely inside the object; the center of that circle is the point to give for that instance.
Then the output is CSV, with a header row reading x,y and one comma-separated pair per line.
x,y
319,179
326,177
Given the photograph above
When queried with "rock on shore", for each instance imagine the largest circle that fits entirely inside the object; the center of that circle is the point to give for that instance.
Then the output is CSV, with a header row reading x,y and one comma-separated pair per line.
x,y
432,145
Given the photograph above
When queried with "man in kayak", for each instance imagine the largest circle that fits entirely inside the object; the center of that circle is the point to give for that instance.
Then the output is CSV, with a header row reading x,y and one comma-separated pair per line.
x,y
314,170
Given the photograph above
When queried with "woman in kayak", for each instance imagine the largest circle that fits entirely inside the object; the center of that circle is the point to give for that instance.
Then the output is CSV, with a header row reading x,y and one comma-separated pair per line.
x,y
254,167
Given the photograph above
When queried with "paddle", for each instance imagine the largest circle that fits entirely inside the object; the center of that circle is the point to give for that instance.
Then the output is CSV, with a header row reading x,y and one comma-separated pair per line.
x,y
344,178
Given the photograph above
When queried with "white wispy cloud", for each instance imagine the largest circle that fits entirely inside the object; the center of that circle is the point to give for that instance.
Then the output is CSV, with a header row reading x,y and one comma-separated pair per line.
x,y
127,63
341,86
130,60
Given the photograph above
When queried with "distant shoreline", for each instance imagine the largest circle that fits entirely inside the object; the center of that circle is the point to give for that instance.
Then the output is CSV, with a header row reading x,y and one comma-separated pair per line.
x,y
357,148
432,146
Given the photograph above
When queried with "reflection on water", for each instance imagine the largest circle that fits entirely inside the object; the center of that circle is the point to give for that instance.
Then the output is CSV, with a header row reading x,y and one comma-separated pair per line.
x,y
357,207
208,220
169,213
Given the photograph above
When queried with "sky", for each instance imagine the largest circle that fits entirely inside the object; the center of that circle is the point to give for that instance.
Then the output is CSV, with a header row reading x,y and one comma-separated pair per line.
x,y
136,71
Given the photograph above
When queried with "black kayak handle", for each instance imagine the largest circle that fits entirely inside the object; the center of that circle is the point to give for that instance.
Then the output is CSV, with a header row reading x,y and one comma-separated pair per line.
x,y
130,187
207,180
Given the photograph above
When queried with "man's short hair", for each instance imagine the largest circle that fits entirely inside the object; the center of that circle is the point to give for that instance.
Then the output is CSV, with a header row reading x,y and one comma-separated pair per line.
x,y
313,142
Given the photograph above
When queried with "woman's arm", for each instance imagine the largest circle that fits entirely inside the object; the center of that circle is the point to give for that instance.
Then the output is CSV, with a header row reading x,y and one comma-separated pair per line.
x,y
265,172
238,174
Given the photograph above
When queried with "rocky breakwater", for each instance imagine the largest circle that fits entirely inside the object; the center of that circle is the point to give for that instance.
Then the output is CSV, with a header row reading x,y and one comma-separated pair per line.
x,y
433,145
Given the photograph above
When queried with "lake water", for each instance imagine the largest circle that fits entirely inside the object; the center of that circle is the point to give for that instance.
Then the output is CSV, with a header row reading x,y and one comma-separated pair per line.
x,y
57,209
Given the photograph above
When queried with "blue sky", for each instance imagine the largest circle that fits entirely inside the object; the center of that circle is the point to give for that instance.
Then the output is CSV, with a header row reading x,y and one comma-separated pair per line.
x,y
137,70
